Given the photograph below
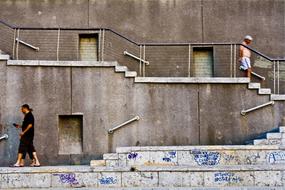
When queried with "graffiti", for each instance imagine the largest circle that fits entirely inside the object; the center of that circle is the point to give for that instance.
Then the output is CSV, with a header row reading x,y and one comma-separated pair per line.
x,y
132,155
229,157
274,157
204,158
67,178
107,181
145,176
252,159
226,177
169,156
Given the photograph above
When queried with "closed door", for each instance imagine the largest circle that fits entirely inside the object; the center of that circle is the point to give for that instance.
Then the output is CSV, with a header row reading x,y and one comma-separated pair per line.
x,y
203,62
88,47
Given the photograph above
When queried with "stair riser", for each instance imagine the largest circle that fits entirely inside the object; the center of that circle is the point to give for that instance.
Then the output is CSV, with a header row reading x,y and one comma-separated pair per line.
x,y
144,179
199,158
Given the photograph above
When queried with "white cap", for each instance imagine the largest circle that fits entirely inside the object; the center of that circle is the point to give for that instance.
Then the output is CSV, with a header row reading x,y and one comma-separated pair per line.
x,y
248,37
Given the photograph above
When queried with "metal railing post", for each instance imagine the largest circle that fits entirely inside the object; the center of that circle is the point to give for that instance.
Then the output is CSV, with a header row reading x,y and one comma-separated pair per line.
x,y
100,42
57,46
144,62
274,76
17,46
278,76
235,60
103,41
189,60
14,43
231,57
140,68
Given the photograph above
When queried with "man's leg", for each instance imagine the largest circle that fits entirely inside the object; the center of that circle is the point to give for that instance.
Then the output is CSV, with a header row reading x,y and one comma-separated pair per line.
x,y
249,72
21,152
18,162
34,157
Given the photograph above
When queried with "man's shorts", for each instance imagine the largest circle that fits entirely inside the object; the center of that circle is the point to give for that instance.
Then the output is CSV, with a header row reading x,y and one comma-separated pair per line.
x,y
245,63
26,146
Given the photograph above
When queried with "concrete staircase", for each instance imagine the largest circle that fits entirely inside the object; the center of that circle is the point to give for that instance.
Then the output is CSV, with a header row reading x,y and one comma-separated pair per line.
x,y
273,137
163,168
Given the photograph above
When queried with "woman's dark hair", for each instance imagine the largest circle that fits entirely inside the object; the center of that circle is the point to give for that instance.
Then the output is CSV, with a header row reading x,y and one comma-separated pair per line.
x,y
27,107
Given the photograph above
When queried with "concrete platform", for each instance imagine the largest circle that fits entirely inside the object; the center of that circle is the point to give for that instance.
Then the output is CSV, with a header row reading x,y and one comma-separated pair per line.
x,y
164,177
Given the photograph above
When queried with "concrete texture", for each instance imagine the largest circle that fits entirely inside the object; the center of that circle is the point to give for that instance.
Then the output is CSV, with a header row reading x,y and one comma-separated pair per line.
x,y
177,113
188,21
147,177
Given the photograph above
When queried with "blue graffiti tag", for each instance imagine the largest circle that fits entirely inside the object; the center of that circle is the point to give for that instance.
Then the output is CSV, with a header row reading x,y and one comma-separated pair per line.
x,y
226,177
67,178
204,158
107,181
132,155
169,156
274,157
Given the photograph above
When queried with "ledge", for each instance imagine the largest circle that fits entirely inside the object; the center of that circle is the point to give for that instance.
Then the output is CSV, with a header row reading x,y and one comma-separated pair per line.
x,y
277,97
61,63
188,148
4,57
192,80
45,169
232,168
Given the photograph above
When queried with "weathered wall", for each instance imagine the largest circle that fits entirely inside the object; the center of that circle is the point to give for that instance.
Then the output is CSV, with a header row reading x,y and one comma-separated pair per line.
x,y
149,21
171,114
161,20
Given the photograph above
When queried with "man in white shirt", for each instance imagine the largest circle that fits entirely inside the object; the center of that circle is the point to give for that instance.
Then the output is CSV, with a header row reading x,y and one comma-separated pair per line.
x,y
244,55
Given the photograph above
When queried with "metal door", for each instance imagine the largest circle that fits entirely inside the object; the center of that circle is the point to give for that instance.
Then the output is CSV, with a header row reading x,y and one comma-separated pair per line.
x,y
203,62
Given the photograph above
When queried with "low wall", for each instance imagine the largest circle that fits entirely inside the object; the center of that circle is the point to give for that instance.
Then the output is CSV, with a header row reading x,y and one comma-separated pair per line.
x,y
186,112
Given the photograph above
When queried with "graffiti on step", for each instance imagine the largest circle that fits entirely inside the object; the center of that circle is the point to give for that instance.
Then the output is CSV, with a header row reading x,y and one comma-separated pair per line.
x,y
206,158
252,159
132,156
107,181
169,156
275,157
228,157
68,178
227,177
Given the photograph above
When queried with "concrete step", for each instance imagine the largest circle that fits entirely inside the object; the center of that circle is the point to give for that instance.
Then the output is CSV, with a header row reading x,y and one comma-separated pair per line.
x,y
143,177
267,142
260,142
172,188
253,85
273,135
264,91
4,56
130,74
282,129
119,69
277,97
206,156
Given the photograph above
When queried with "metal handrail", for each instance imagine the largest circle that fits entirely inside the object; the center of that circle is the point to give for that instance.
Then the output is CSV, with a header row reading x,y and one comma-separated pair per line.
x,y
27,44
135,57
243,112
257,75
110,131
5,136
145,44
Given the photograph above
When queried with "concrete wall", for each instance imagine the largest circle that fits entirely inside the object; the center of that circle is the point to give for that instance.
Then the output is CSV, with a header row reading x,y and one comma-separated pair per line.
x,y
149,21
161,20
171,114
